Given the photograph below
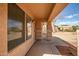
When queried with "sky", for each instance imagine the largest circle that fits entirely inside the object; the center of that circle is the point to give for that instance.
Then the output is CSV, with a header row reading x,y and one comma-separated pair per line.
x,y
14,23
69,15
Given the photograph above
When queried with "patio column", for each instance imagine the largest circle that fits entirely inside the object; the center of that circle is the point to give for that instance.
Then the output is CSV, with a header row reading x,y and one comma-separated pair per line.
x,y
77,42
33,30
53,28
38,29
49,30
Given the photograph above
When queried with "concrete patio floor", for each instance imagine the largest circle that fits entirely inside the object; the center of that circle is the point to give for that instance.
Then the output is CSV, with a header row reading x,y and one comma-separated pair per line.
x,y
61,44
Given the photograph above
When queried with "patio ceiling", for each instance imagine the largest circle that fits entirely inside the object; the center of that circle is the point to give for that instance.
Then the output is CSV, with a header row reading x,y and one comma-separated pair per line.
x,y
42,11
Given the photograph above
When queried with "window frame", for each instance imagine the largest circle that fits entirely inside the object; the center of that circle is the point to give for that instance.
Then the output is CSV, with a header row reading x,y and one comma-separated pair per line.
x,y
11,42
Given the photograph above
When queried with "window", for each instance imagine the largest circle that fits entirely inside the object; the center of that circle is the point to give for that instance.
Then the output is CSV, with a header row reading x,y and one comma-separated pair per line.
x,y
16,21
29,29
44,29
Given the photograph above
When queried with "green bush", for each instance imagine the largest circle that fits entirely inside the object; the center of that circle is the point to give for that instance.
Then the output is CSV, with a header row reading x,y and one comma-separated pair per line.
x,y
75,27
69,30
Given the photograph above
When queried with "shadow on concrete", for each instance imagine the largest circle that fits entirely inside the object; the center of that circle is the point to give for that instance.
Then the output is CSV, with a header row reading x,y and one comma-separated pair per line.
x,y
64,47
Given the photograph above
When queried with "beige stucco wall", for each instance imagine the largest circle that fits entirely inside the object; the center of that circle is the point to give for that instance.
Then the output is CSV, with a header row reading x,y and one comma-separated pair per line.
x,y
20,50
3,29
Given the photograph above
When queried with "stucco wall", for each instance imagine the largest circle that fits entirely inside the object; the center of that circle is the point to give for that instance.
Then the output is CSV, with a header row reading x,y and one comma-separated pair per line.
x,y
20,50
3,29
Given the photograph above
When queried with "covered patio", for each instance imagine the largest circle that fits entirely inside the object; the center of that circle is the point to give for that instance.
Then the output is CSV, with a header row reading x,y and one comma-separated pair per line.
x,y
35,42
